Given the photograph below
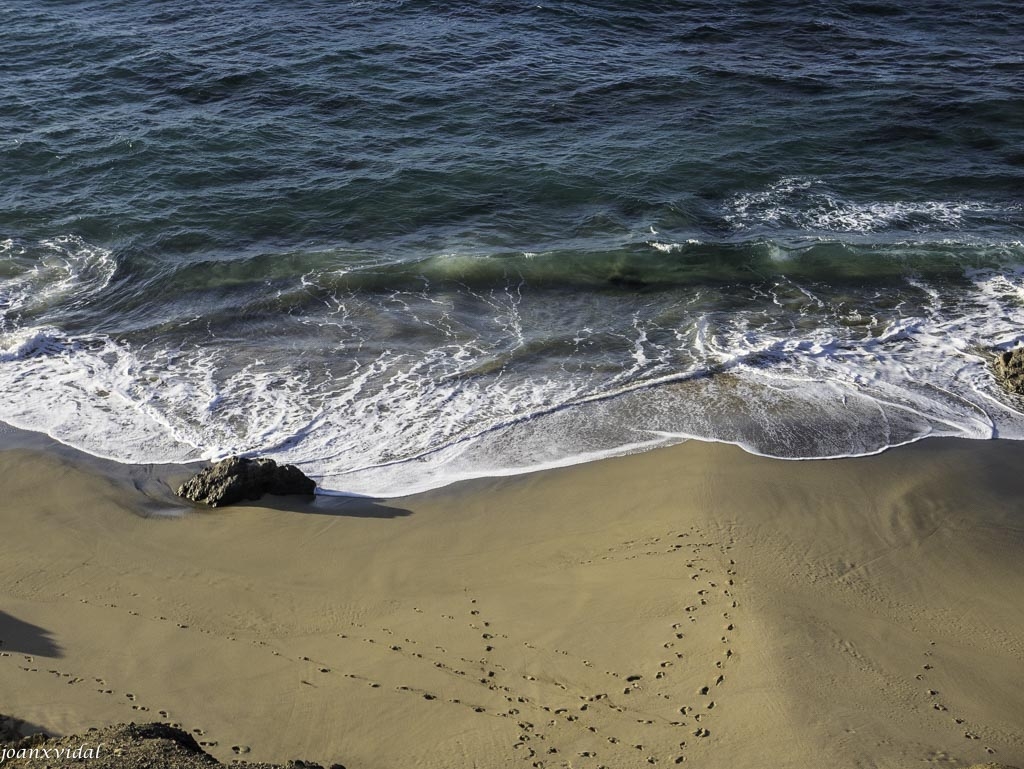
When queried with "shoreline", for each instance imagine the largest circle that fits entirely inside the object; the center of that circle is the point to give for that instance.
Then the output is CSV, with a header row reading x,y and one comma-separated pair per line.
x,y
494,617
158,480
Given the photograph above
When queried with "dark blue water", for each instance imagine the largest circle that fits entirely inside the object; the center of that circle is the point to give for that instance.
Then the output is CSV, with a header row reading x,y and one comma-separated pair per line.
x,y
402,243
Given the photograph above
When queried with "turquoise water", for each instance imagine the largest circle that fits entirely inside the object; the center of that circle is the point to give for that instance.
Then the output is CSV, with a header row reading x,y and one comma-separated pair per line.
x,y
402,243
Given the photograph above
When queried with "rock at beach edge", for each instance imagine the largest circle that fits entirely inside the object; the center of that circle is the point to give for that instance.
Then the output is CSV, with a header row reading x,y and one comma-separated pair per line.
x,y
1009,369
239,478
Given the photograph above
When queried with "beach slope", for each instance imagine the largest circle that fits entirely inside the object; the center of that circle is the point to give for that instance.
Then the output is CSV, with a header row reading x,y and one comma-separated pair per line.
x,y
693,604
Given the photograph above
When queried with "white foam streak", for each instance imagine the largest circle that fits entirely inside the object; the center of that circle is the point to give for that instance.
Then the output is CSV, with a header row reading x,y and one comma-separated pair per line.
x,y
668,248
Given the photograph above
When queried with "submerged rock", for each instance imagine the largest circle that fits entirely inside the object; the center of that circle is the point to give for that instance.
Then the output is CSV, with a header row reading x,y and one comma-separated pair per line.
x,y
1009,369
238,478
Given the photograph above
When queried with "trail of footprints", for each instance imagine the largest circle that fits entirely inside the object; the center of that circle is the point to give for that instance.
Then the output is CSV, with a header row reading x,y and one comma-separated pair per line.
x,y
936,701
628,714
140,711
27,663
604,726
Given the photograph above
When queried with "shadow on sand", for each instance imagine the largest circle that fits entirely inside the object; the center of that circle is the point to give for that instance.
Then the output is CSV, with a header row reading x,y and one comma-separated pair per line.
x,y
13,729
18,636
327,504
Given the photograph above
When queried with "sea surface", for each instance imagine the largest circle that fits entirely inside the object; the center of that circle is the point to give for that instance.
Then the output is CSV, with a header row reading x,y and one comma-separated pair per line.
x,y
402,243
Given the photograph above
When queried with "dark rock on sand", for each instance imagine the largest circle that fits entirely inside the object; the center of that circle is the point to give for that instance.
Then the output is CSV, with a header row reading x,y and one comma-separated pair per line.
x,y
126,746
1009,370
237,478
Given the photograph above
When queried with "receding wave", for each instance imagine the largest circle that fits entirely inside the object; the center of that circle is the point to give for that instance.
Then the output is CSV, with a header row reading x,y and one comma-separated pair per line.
x,y
390,377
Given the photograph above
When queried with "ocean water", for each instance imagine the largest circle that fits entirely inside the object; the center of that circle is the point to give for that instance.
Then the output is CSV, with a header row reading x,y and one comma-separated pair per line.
x,y
401,243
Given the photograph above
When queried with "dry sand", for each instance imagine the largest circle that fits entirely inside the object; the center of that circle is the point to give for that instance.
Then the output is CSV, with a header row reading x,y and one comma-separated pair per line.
x,y
694,604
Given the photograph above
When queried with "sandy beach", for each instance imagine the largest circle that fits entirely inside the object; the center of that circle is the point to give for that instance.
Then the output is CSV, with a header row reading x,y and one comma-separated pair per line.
x,y
694,604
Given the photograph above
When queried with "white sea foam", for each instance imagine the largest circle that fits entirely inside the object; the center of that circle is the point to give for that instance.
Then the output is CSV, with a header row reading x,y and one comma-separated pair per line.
x,y
32,342
808,204
668,248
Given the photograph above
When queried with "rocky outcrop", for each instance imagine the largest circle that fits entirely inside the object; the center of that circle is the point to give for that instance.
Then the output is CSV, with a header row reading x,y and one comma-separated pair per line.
x,y
137,746
124,746
1009,370
239,478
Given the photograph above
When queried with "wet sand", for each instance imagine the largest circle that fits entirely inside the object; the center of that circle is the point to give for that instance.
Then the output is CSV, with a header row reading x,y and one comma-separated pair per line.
x,y
691,605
